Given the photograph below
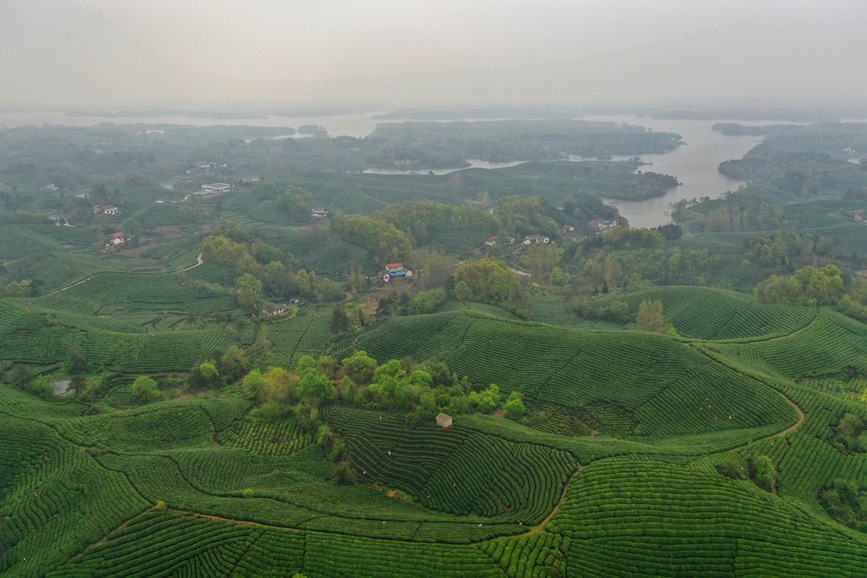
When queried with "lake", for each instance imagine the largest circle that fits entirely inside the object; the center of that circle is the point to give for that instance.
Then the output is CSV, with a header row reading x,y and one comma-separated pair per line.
x,y
694,164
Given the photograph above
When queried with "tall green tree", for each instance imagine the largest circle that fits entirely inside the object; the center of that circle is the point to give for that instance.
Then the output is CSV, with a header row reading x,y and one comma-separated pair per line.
x,y
650,317
145,389
248,291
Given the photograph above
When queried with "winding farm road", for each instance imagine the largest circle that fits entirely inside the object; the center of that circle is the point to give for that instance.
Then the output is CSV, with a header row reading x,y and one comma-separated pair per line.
x,y
802,417
198,262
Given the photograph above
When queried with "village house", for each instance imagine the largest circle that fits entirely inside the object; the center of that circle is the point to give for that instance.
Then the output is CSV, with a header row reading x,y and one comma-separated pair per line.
x,y
214,188
533,239
119,238
396,270
491,241
319,213
109,210
602,224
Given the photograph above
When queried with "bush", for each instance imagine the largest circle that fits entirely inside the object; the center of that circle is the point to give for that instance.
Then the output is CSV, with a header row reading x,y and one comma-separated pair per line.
x,y
731,469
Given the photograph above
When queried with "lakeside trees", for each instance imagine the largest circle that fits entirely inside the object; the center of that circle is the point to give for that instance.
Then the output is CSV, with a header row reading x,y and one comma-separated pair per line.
x,y
491,281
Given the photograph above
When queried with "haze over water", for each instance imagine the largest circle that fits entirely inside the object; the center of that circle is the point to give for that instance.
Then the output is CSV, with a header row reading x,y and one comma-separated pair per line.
x,y
695,164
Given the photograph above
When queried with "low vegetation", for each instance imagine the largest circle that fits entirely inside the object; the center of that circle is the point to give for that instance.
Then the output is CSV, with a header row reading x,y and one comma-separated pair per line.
x,y
209,383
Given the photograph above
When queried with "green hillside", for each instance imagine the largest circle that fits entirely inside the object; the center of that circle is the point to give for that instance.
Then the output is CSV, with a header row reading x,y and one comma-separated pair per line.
x,y
214,384
667,388
723,314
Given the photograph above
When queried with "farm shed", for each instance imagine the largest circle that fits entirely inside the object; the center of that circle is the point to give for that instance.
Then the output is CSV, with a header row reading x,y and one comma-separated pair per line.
x,y
444,420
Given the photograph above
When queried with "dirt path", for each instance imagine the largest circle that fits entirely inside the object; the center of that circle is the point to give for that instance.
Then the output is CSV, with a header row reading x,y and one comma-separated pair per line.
x,y
199,262
540,527
802,417
85,280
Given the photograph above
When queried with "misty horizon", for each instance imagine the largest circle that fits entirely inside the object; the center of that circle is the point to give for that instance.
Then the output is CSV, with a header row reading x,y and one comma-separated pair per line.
x,y
384,55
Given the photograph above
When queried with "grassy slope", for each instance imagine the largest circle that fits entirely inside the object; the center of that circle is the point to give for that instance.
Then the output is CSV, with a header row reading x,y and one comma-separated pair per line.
x,y
649,503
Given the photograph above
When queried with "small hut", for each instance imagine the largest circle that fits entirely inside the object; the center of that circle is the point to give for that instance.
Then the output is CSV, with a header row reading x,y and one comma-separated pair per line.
x,y
444,420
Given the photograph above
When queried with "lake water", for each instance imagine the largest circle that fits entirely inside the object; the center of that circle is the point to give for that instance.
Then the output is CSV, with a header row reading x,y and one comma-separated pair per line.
x,y
694,164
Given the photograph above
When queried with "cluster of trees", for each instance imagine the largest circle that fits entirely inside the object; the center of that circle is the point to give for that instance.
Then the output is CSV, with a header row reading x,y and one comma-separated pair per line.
x,y
850,435
527,216
491,281
777,248
418,390
266,271
650,317
808,286
426,220
297,202
541,259
738,210
586,208
760,470
817,286
22,288
385,242
223,368
403,304
735,218
846,502
616,268
646,185
763,473
224,251
510,140
628,238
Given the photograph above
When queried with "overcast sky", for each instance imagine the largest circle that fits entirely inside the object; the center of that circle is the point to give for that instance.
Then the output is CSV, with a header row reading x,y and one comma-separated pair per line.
x,y
390,53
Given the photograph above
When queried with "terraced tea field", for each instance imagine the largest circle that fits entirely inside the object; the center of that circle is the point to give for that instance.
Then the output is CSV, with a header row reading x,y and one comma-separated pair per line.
x,y
724,314
201,487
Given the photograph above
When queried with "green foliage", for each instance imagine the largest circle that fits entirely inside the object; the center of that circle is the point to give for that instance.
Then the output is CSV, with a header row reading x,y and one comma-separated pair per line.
x,y
87,490
710,313
296,201
248,291
626,238
542,259
846,502
426,221
514,406
385,242
491,281
428,301
145,389
339,321
42,386
204,375
21,288
850,435
764,472
465,472
650,317
655,518
572,368
809,285
224,251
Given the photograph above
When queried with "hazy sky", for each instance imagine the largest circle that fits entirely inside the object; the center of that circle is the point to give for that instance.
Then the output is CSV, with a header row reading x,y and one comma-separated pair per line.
x,y
407,52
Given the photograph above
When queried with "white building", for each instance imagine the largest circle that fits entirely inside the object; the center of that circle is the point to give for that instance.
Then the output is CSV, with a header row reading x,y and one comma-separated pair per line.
x,y
214,188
